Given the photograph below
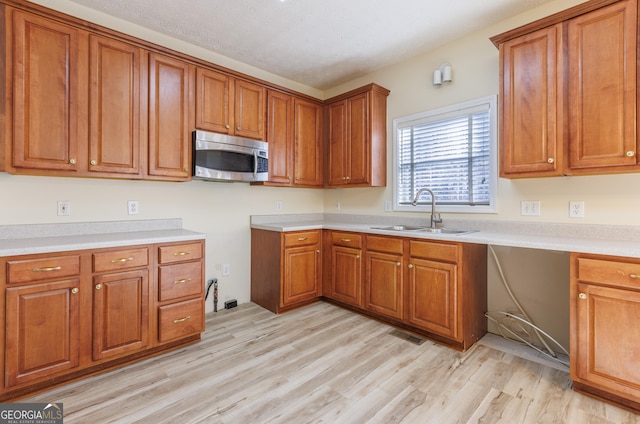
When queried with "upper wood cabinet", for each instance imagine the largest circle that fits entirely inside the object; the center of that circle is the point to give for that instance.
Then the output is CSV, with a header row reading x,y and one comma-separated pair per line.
x,y
118,105
171,87
48,62
230,106
356,133
569,93
294,134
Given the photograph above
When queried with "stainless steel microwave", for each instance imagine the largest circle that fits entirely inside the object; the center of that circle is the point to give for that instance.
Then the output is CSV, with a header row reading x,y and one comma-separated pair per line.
x,y
220,157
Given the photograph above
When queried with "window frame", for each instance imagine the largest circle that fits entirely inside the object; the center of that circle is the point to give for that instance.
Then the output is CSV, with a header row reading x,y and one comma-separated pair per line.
x,y
492,207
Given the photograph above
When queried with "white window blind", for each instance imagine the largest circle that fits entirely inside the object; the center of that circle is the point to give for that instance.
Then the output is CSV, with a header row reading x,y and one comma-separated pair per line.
x,y
448,151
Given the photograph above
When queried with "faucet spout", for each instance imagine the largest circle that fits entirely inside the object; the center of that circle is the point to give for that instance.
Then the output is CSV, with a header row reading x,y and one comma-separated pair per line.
x,y
435,217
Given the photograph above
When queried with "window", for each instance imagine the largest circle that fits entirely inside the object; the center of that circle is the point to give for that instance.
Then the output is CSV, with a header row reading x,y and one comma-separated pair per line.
x,y
452,151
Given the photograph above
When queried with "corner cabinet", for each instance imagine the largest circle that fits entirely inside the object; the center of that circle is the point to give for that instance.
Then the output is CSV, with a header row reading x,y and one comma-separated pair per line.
x,y
286,268
562,111
605,340
356,138
76,313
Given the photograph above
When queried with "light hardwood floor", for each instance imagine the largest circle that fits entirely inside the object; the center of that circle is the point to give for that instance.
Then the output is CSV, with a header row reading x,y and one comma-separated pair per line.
x,y
323,364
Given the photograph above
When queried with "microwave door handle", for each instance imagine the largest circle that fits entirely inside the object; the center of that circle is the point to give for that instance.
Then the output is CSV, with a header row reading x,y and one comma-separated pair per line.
x,y
255,164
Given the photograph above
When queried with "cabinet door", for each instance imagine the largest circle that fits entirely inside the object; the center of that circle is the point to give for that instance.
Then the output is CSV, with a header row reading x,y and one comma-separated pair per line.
x,y
346,277
120,313
385,291
301,274
607,339
117,108
358,146
308,143
602,60
531,109
433,297
212,101
42,330
170,117
337,133
49,88
280,128
249,114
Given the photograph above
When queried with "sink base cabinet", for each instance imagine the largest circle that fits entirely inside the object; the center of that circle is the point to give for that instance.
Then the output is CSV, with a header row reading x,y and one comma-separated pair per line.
x,y
71,314
605,340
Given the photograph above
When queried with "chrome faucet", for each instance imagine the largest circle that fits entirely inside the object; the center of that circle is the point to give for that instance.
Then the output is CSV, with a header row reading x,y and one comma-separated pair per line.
x,y
435,217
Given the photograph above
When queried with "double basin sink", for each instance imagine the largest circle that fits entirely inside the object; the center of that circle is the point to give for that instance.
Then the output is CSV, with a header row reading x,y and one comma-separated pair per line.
x,y
430,230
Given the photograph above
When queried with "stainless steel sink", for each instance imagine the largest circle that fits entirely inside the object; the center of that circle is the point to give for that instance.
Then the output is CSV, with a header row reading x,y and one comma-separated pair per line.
x,y
450,231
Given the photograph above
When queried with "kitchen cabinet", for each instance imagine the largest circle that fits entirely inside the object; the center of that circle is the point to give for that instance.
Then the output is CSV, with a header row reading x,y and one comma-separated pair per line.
x,y
229,105
180,290
171,109
605,343
71,314
46,121
385,276
562,111
286,268
294,134
120,302
117,107
356,138
345,268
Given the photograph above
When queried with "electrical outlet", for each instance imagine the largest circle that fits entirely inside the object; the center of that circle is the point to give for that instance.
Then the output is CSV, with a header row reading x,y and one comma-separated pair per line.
x,y
64,208
576,209
338,206
387,206
133,207
279,205
226,270
530,208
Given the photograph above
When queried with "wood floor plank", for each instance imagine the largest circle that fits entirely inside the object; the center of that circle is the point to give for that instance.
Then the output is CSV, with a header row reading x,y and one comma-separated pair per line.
x,y
324,364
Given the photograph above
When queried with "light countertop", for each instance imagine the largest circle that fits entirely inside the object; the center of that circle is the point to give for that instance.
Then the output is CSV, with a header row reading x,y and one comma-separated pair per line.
x,y
47,238
597,239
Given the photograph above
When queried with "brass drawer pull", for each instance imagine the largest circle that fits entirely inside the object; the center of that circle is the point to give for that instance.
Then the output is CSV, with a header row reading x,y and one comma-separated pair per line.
x,y
130,258
346,240
184,280
635,276
302,238
177,321
48,269
181,253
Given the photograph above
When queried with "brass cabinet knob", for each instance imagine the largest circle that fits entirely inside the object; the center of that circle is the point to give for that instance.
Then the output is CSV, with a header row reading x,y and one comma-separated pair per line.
x,y
98,286
94,162
398,263
72,161
357,256
551,160
227,126
582,296
74,290
318,251
631,153
238,128
410,265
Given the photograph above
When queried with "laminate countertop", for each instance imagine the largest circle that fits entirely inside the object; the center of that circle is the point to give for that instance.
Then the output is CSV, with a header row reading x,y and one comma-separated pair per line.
x,y
47,238
582,238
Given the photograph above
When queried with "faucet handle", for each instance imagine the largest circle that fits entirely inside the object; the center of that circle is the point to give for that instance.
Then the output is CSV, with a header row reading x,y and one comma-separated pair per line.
x,y
435,217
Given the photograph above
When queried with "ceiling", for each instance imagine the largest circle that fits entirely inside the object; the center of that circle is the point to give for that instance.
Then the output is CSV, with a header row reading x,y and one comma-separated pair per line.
x,y
319,43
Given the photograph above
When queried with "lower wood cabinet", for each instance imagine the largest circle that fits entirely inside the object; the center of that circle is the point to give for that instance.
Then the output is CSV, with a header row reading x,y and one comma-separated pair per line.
x,y
605,337
345,270
286,268
74,313
384,285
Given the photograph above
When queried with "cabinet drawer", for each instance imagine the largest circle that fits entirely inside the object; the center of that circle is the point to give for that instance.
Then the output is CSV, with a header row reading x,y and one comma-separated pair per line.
x,y
301,238
346,239
179,280
181,319
33,270
384,244
626,274
120,259
179,253
435,251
